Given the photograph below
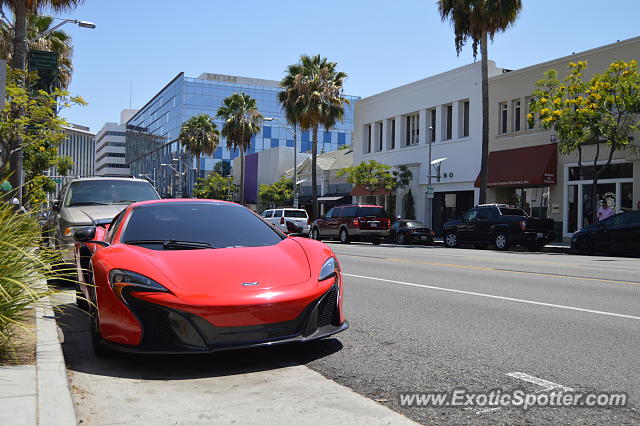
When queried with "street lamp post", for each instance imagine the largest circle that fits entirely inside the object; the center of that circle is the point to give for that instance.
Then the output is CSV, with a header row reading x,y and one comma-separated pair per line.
x,y
295,159
179,173
20,167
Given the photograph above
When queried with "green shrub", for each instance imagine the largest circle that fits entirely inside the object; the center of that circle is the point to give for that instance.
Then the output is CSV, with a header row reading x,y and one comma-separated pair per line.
x,y
25,268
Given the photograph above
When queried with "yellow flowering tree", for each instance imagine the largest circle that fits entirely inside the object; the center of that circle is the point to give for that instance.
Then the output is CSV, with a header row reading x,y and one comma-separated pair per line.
x,y
603,111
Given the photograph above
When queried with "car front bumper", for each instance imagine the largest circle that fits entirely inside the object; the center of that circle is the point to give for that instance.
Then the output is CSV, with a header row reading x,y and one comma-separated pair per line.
x,y
171,331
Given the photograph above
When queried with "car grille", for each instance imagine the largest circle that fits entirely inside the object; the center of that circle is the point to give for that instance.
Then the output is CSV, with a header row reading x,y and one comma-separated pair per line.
x,y
157,331
328,308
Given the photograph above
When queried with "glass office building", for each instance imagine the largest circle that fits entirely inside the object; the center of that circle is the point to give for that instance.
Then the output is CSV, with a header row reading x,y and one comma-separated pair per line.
x,y
153,148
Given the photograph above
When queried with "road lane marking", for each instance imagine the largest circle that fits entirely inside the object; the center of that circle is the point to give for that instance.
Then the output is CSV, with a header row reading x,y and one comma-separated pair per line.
x,y
546,384
486,268
492,296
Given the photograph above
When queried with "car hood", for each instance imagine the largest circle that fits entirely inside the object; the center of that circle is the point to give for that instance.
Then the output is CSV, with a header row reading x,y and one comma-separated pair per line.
x,y
88,215
227,269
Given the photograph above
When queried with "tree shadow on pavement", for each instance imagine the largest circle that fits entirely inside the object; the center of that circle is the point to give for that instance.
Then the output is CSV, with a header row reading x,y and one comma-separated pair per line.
x,y
79,356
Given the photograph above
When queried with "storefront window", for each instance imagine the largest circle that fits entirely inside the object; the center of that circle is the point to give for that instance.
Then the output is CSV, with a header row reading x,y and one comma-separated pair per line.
x,y
626,196
572,220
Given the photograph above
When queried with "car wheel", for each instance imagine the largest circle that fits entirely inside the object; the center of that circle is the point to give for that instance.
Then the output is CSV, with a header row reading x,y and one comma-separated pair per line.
x,y
96,340
451,239
401,238
81,301
502,241
584,245
480,246
344,236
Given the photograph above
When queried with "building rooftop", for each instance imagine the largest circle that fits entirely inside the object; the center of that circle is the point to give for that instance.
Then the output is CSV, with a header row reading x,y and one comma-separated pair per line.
x,y
239,80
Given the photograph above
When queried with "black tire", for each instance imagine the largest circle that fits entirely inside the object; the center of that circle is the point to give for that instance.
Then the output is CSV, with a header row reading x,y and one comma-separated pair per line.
x,y
376,241
450,239
81,301
344,236
584,245
502,241
96,340
401,239
315,234
480,246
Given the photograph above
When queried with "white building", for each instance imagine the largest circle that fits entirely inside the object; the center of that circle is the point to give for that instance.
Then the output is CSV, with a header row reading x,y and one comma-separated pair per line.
x,y
111,147
79,144
397,127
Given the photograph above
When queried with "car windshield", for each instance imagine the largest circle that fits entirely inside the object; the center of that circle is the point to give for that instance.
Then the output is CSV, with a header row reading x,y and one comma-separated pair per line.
x,y
510,211
98,192
197,225
295,213
414,224
371,211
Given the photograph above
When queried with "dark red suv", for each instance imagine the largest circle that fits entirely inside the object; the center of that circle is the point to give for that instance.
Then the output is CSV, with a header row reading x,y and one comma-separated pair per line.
x,y
352,222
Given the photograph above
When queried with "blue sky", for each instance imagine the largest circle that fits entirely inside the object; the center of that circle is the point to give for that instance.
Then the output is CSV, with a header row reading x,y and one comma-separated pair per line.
x,y
380,44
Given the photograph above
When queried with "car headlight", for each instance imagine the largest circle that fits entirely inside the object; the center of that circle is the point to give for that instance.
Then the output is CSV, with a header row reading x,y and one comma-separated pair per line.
x,y
121,279
330,269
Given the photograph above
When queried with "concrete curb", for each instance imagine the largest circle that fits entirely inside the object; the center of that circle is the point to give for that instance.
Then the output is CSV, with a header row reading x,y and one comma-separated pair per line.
x,y
55,404
551,248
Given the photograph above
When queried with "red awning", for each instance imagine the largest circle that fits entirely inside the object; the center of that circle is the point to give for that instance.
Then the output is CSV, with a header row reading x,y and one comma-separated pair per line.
x,y
521,167
361,190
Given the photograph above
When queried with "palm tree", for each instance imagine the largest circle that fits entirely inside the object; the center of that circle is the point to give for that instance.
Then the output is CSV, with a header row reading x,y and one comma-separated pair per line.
x,y
480,20
20,10
312,97
241,122
199,135
58,42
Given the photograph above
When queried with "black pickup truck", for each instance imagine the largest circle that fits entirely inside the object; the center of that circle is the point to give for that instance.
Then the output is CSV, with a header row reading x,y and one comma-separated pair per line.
x,y
501,225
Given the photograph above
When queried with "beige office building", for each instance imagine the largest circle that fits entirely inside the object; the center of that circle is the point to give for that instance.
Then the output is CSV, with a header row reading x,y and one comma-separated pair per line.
x,y
524,165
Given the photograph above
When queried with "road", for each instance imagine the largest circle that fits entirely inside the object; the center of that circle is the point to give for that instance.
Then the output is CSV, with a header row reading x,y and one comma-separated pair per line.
x,y
432,319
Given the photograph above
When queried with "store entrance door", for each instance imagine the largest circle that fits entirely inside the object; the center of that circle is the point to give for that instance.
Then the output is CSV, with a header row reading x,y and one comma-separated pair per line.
x,y
448,206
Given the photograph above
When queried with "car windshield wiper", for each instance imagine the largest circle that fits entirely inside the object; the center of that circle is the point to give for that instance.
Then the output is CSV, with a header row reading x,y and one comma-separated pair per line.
x,y
185,245
173,244
123,201
88,203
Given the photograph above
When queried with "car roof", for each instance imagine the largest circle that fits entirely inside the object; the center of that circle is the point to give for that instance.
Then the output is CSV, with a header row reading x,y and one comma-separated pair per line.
x,y
180,200
98,178
359,205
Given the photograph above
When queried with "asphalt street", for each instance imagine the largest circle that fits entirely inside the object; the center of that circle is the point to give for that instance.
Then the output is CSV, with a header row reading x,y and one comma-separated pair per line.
x,y
437,319
426,319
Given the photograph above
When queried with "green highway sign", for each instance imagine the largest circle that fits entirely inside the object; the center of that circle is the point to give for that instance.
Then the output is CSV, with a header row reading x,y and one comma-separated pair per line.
x,y
57,180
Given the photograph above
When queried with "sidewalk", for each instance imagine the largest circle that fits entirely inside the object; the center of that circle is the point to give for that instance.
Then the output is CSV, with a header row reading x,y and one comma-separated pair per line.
x,y
38,394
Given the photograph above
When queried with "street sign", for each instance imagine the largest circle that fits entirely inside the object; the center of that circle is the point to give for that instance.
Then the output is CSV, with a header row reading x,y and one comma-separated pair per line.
x,y
430,191
57,180
46,65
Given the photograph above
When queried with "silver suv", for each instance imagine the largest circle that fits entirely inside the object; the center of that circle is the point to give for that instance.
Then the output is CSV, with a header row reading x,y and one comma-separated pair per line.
x,y
92,201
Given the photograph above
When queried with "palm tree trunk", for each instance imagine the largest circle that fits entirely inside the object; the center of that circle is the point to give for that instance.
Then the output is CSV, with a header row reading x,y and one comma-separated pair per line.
x,y
18,61
484,159
242,176
314,177
197,167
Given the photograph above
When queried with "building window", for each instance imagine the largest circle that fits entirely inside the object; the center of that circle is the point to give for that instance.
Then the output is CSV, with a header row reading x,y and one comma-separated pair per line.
x,y
368,136
380,136
432,124
413,130
393,134
449,122
465,119
527,105
503,117
515,111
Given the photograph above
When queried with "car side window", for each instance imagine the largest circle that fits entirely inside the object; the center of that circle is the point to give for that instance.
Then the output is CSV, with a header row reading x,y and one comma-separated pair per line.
x,y
485,213
330,213
470,215
266,213
115,224
277,213
348,212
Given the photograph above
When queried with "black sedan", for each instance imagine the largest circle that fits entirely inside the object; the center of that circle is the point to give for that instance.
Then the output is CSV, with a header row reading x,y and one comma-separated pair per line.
x,y
406,231
618,234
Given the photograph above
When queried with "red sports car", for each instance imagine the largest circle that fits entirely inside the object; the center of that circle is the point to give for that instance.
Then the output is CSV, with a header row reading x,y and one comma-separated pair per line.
x,y
174,276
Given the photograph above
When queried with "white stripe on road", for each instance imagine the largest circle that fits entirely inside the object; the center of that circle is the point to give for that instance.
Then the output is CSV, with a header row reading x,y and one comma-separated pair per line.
x,y
547,385
491,296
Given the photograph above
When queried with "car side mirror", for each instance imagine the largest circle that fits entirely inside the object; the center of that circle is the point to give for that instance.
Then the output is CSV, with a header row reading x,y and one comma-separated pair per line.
x,y
85,234
56,205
